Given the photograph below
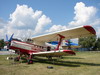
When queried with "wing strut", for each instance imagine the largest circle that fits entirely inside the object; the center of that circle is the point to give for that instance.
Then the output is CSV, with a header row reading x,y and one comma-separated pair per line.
x,y
60,40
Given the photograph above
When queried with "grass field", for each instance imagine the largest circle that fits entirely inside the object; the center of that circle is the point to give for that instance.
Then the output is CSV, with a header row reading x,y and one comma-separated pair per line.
x,y
84,63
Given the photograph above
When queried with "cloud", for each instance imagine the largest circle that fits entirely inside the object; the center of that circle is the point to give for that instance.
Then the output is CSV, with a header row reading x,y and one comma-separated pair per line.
x,y
56,28
2,23
42,22
24,17
24,21
96,22
3,30
98,31
83,15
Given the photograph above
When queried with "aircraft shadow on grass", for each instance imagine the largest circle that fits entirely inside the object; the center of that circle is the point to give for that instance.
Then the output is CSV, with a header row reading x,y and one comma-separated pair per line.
x,y
63,62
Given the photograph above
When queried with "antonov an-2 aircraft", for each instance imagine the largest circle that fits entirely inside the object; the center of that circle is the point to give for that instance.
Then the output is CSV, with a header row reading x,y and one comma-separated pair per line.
x,y
37,45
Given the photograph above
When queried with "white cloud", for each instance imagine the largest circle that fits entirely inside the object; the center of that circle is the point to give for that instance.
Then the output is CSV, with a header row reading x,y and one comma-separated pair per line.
x,y
96,22
3,30
2,23
24,21
98,31
2,33
56,28
42,22
83,14
24,17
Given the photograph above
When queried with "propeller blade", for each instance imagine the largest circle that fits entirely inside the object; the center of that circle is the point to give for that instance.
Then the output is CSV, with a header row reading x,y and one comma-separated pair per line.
x,y
11,37
6,37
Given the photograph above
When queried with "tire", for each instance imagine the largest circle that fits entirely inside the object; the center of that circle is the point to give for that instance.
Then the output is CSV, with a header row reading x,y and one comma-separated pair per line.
x,y
16,59
30,62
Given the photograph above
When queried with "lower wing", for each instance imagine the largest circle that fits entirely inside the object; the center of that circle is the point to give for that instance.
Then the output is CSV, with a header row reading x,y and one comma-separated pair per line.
x,y
55,53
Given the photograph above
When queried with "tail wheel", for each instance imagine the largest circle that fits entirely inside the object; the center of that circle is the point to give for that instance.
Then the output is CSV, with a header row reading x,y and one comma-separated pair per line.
x,y
16,59
30,61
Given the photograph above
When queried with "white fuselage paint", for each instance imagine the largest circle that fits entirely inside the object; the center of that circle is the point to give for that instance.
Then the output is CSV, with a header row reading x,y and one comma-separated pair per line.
x,y
21,45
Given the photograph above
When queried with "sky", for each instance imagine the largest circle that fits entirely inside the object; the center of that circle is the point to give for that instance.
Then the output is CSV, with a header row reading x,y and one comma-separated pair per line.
x,y
29,18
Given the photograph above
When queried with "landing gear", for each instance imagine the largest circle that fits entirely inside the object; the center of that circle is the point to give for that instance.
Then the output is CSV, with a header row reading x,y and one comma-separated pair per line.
x,y
27,57
16,59
29,60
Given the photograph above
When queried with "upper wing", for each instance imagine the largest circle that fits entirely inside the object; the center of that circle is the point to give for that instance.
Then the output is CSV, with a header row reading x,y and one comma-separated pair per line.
x,y
78,32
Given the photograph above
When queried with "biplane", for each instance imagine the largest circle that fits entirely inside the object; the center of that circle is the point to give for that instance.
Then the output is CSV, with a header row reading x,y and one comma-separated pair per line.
x,y
36,45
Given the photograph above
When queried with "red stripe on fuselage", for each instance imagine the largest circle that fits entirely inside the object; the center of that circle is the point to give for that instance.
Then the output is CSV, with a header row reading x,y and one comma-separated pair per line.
x,y
32,48
23,50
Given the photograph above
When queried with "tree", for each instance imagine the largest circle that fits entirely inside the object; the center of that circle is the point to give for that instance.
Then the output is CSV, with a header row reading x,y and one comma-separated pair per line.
x,y
69,45
97,45
88,42
2,43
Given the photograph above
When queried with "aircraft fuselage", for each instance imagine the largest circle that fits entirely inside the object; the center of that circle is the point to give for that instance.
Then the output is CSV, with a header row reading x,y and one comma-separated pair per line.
x,y
26,47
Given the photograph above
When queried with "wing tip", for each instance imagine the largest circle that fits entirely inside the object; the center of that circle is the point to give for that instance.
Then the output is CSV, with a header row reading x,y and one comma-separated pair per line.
x,y
90,29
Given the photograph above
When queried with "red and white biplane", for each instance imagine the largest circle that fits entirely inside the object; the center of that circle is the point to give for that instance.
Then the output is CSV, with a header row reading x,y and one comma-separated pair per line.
x,y
36,46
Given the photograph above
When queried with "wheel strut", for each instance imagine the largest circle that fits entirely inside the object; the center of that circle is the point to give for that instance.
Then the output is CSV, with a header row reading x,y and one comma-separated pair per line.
x,y
30,61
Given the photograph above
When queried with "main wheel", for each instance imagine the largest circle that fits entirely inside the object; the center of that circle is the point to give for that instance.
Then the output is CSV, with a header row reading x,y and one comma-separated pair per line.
x,y
16,59
30,61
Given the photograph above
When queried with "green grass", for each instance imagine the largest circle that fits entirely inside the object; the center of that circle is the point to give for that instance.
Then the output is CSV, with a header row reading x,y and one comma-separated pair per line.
x,y
84,63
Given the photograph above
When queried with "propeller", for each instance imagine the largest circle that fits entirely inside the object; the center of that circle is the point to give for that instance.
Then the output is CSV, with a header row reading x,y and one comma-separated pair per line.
x,y
8,41
6,37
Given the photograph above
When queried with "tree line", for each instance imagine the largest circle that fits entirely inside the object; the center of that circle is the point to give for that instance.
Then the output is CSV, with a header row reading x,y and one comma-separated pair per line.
x,y
92,43
2,43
